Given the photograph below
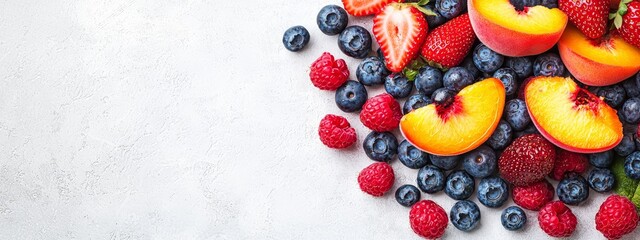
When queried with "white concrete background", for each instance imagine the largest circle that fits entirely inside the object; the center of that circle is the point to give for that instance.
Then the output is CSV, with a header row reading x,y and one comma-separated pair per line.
x,y
185,119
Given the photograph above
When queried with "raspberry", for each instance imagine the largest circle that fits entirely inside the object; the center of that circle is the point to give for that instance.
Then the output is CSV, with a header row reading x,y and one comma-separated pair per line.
x,y
568,162
557,220
527,160
428,219
327,73
617,216
381,113
534,196
376,179
336,132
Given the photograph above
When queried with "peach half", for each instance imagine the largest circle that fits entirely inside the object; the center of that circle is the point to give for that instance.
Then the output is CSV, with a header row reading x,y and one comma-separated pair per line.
x,y
598,62
514,33
459,127
571,117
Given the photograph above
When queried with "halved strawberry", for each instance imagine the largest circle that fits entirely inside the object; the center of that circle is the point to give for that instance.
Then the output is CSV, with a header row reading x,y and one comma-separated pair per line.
x,y
365,7
448,44
400,30
589,16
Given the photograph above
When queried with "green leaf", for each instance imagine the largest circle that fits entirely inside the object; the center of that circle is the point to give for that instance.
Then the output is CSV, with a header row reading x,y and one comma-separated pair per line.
x,y
612,15
424,10
410,74
617,21
624,185
423,2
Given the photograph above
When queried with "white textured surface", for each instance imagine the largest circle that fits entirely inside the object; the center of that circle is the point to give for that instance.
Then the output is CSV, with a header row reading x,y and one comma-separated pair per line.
x,y
184,119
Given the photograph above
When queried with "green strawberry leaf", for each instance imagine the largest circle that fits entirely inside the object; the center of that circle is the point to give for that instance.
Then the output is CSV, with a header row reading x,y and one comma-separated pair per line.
x,y
617,21
612,15
423,2
424,10
413,68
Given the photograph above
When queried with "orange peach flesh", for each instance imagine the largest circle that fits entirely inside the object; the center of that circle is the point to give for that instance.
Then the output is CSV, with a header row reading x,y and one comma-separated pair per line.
x,y
478,109
614,59
509,32
571,117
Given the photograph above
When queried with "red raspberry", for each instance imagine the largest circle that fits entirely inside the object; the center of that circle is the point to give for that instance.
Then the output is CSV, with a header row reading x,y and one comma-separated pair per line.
x,y
376,179
557,220
617,216
428,219
381,113
327,73
534,196
336,132
568,162
527,160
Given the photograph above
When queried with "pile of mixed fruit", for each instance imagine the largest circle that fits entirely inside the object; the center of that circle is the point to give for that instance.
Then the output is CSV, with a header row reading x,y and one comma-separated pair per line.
x,y
514,90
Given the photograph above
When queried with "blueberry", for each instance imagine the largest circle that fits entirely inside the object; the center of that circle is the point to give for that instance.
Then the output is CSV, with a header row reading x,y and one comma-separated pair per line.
x,y
486,60
630,111
372,71
637,79
501,137
613,95
355,41
428,80
379,54
380,146
451,8
531,129
459,185
631,88
601,180
471,67
412,157
549,3
332,19
480,162
548,64
351,96
572,189
493,192
434,21
515,112
295,38
513,218
397,85
601,159
523,66
414,102
626,146
457,78
443,96
465,215
407,195
632,165
520,4
509,79
445,162
430,179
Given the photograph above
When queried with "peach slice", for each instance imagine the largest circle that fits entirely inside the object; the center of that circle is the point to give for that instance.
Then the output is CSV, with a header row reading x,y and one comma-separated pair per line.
x,y
514,33
571,117
460,126
599,62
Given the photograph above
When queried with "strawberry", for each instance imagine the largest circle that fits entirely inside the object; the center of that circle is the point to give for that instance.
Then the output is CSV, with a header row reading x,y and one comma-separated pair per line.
x,y
616,217
448,44
589,16
527,160
627,21
365,7
400,30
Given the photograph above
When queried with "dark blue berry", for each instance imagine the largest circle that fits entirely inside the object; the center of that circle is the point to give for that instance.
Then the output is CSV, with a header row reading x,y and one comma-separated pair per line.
x,y
295,38
428,80
443,96
459,185
445,162
613,95
630,111
513,218
434,20
549,3
626,146
412,157
515,113
493,192
465,215
372,71
457,78
632,165
355,41
501,137
523,66
398,85
480,162
486,60
601,159
414,102
451,8
509,79
407,195
351,96
332,19
631,88
601,180
637,79
380,146
380,55
520,4
548,64
471,67
430,179
573,189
